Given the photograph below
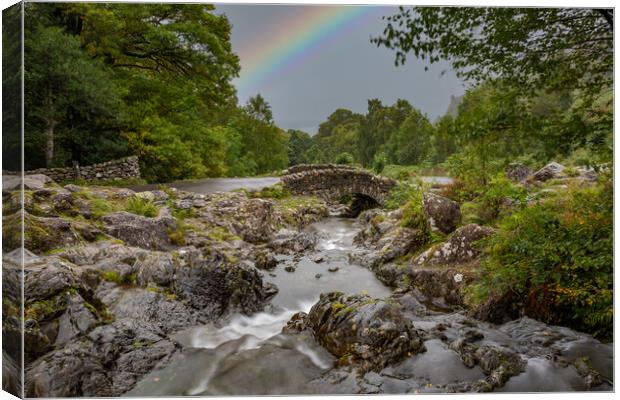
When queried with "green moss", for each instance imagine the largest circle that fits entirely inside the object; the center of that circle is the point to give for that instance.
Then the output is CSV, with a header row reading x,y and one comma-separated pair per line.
x,y
45,309
114,276
221,234
345,311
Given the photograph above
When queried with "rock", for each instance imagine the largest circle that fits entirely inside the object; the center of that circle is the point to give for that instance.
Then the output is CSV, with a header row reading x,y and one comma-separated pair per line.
x,y
553,170
398,242
11,375
460,249
265,260
369,333
144,232
154,308
289,268
253,220
318,276
154,268
517,172
333,269
31,182
41,233
293,242
318,259
444,214
106,363
214,286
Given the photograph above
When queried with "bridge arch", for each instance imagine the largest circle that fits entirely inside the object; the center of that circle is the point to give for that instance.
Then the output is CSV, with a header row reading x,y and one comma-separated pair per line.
x,y
332,182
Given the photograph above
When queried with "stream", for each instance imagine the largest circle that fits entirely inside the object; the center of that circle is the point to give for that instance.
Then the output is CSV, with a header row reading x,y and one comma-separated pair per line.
x,y
248,355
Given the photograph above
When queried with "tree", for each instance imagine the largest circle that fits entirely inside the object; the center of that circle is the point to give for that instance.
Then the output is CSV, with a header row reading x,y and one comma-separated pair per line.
x,y
411,143
299,143
61,81
537,48
258,108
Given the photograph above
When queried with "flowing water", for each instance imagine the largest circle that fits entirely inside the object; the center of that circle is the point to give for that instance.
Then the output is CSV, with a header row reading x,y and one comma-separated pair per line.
x,y
248,355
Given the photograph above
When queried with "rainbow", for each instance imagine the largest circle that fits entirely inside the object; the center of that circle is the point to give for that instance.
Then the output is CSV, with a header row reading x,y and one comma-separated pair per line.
x,y
287,45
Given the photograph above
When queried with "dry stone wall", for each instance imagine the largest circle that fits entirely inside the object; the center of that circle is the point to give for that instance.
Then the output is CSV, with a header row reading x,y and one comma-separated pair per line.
x,y
124,168
334,181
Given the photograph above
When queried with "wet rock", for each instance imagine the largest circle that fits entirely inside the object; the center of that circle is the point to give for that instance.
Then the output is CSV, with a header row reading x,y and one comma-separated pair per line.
x,y
265,260
460,249
289,268
367,332
11,375
318,276
517,172
107,362
154,308
443,214
318,259
398,242
553,170
214,286
136,230
288,242
498,364
333,269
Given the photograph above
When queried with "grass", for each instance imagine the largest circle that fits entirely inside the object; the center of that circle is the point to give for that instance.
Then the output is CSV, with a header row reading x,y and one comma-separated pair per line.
x,y
144,207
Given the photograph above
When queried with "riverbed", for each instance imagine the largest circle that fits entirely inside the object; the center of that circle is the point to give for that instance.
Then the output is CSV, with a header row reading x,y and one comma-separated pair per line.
x,y
249,355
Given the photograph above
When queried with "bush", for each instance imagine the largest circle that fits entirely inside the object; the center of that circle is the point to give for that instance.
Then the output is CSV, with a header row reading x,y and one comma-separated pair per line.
x,y
379,162
144,207
497,194
344,158
400,194
556,259
276,191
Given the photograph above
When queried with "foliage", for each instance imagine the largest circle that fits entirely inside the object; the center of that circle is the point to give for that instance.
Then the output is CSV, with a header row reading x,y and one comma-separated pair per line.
x,y
400,194
140,206
344,158
410,144
531,47
379,161
556,258
498,193
299,143
276,191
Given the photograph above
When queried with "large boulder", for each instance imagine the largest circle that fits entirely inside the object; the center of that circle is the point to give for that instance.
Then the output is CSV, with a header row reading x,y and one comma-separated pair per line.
x,y
460,249
144,232
215,286
443,214
369,333
553,170
106,363
253,220
31,182
154,308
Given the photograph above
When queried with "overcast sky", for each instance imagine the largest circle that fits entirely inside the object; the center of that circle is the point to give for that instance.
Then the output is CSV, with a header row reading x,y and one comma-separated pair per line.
x,y
343,74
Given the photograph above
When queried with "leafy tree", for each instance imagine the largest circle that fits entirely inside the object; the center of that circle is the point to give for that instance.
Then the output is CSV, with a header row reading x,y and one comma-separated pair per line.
x,y
11,88
443,141
298,144
537,48
62,84
258,108
411,143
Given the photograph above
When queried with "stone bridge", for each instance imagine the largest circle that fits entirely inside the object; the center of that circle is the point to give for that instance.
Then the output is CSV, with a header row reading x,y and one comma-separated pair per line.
x,y
332,182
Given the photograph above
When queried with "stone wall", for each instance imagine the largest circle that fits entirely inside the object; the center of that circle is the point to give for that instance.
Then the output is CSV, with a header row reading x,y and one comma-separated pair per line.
x,y
334,181
124,168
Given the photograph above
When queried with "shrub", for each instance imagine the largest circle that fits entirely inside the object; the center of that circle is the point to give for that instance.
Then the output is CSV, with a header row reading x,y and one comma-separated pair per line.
x,y
344,158
379,162
413,214
556,259
144,207
276,191
498,193
400,194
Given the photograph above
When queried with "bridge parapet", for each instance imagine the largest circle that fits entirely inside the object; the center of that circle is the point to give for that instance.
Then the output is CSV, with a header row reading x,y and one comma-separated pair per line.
x,y
332,181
